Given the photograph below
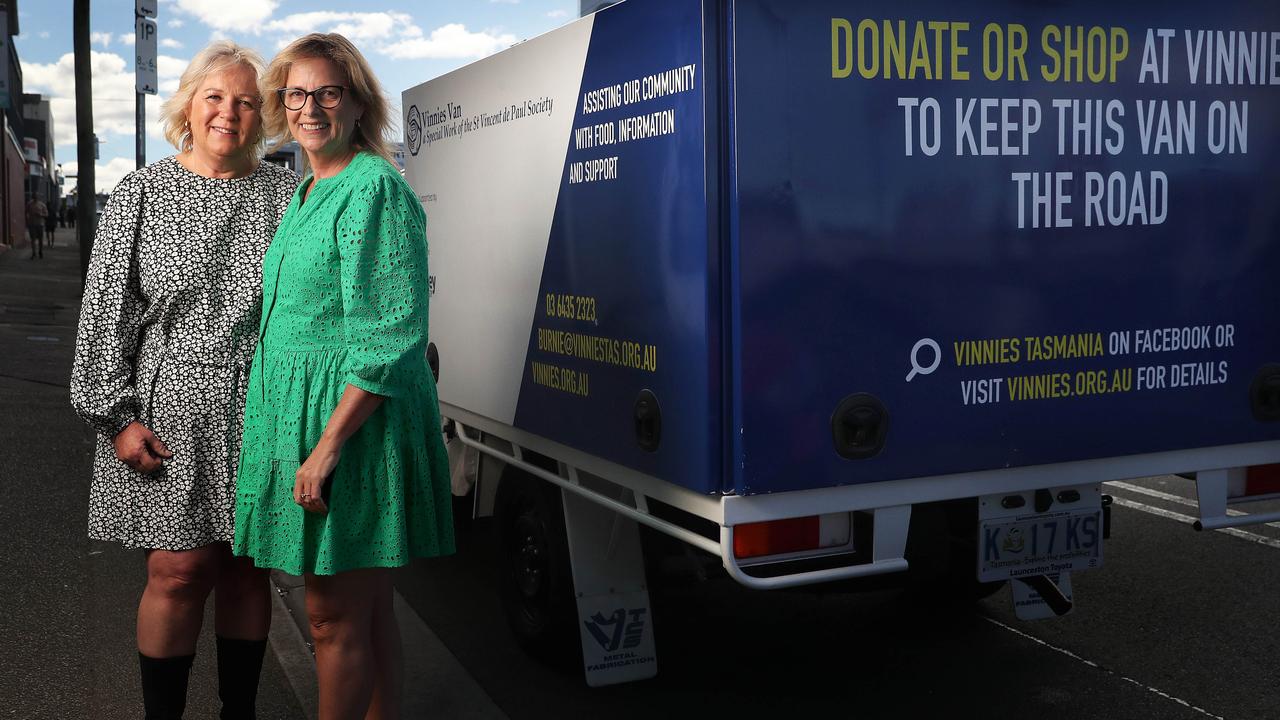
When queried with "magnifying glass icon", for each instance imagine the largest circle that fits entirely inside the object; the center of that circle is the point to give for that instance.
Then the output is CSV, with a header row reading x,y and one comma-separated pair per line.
x,y
916,367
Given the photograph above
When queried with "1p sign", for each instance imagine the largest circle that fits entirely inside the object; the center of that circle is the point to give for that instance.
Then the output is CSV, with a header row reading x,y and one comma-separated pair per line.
x,y
145,76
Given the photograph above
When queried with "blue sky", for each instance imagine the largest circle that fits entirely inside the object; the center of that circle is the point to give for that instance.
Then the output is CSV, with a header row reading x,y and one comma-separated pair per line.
x,y
406,41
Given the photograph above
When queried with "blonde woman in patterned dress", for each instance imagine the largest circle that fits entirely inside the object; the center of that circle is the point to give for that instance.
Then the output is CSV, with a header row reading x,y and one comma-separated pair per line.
x,y
343,473
167,330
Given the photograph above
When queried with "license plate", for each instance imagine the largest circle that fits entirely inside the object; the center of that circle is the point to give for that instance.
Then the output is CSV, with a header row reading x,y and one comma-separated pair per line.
x,y
1020,546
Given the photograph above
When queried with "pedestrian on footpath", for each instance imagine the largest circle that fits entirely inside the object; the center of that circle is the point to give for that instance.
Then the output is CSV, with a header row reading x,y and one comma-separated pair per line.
x,y
71,216
343,473
37,211
50,224
170,318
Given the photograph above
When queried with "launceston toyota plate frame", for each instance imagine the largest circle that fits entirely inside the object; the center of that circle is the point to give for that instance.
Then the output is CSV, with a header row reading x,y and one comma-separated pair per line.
x,y
1016,541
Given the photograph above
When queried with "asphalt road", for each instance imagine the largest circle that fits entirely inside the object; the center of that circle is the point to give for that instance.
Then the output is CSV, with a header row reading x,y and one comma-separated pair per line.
x,y
1176,624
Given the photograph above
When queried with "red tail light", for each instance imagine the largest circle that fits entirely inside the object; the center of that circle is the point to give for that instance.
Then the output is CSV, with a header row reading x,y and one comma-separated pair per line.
x,y
780,537
775,537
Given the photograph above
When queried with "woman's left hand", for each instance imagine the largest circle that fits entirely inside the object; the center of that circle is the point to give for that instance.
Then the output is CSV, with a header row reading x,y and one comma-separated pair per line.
x,y
308,489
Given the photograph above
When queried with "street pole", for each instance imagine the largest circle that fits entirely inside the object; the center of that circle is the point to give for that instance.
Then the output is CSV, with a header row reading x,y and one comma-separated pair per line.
x,y
142,139
87,199
144,67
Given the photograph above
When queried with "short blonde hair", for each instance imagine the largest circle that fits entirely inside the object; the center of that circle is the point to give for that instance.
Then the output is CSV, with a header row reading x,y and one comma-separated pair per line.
x,y
215,57
372,129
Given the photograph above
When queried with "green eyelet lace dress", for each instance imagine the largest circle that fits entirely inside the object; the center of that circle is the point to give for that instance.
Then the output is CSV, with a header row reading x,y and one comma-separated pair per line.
x,y
345,302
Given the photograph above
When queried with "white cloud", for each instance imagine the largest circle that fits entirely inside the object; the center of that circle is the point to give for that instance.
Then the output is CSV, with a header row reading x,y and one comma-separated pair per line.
x,y
43,34
105,175
100,37
175,23
392,33
113,93
451,41
171,43
357,26
168,66
389,33
558,14
233,15
128,39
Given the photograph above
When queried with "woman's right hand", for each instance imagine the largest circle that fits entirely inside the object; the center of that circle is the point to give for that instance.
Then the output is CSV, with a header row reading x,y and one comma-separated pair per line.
x,y
140,449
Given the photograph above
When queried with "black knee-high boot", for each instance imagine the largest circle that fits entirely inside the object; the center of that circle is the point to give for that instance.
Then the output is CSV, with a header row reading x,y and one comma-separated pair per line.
x,y
239,667
164,686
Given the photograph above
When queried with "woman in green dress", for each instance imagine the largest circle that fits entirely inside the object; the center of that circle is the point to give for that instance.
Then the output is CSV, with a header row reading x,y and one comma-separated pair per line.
x,y
343,473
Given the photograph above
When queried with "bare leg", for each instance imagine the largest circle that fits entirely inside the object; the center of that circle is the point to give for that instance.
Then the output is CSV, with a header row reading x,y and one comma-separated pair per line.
x,y
169,618
172,605
242,617
340,608
388,655
242,599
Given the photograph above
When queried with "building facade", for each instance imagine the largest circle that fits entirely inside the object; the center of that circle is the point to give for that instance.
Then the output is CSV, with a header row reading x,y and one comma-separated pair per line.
x,y
43,176
13,166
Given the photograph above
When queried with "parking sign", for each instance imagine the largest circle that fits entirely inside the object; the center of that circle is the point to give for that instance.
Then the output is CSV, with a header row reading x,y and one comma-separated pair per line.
x,y
145,52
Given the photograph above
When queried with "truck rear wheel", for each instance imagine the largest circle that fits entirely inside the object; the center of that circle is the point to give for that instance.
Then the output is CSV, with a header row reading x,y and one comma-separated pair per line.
x,y
536,583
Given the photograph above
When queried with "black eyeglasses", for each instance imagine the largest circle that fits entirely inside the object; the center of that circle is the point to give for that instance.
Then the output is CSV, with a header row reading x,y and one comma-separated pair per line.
x,y
327,96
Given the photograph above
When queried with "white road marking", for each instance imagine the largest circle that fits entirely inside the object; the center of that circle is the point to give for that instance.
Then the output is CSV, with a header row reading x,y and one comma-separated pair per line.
x,y
1188,502
1234,532
1106,670
1159,494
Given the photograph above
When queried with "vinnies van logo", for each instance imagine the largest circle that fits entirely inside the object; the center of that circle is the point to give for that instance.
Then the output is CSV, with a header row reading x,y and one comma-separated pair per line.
x,y
621,630
414,126
431,125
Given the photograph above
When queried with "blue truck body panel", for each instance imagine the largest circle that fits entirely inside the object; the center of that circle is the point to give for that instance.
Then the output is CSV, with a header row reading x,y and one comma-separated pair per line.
x,y
640,246
767,206
852,251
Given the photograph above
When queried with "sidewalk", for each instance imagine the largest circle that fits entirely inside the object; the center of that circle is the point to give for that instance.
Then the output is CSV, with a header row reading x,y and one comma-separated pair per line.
x,y
67,605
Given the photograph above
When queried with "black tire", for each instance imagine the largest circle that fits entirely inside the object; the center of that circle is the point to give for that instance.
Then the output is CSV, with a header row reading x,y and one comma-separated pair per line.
x,y
536,583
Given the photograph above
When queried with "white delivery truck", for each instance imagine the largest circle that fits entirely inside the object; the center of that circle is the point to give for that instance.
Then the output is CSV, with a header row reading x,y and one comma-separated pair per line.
x,y
818,286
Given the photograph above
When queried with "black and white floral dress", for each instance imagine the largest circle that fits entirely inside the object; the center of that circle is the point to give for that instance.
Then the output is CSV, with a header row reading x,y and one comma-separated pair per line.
x,y
167,330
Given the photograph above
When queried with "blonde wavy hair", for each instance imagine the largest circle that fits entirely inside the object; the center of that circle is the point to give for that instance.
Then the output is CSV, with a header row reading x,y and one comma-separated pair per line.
x,y
373,127
215,57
